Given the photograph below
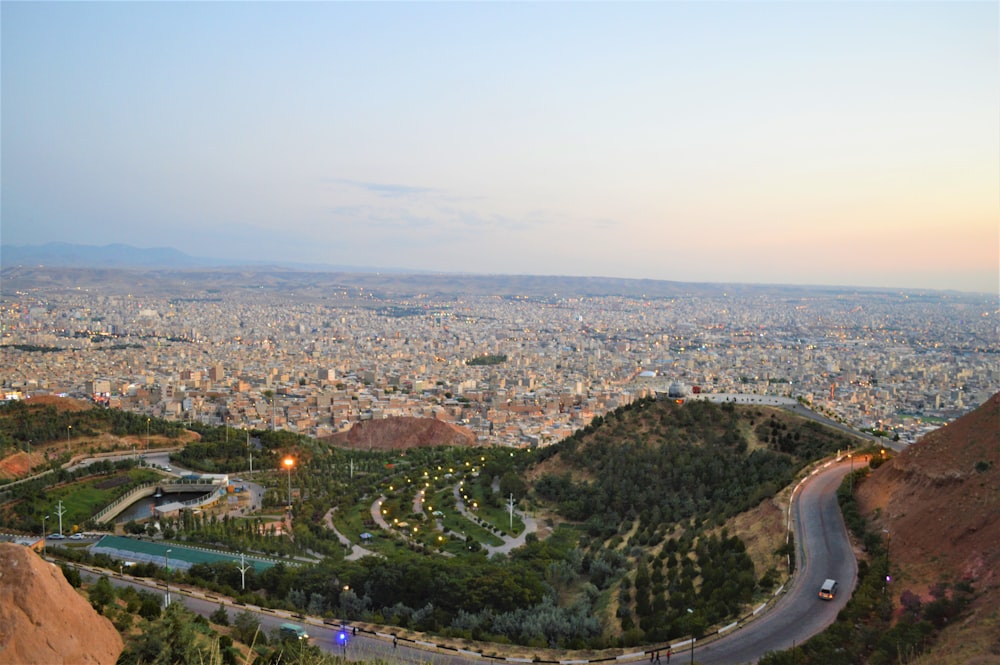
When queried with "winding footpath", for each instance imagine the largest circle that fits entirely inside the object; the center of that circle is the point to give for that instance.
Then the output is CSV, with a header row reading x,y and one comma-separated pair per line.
x,y
509,542
792,616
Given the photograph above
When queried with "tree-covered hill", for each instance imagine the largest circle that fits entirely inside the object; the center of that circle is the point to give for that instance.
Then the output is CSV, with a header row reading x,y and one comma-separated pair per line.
x,y
636,512
658,483
661,462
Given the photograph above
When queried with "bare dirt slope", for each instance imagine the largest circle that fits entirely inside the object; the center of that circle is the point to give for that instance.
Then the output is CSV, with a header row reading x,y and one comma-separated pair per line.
x,y
44,620
401,433
940,502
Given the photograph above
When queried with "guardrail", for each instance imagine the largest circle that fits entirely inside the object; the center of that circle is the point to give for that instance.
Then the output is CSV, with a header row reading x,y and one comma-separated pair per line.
x,y
116,507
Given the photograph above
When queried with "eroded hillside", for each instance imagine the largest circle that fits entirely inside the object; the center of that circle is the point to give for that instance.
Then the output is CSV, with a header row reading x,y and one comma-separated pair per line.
x,y
939,502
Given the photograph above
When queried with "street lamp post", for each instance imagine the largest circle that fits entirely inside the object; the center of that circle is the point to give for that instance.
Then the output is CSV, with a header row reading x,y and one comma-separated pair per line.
x,y
167,559
888,574
44,519
690,611
243,572
147,434
289,463
69,431
250,451
850,456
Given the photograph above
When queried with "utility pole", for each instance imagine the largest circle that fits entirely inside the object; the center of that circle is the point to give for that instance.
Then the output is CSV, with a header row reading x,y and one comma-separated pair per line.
x,y
510,508
60,511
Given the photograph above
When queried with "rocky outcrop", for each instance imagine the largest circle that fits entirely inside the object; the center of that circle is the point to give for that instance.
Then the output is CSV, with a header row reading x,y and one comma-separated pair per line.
x,y
44,620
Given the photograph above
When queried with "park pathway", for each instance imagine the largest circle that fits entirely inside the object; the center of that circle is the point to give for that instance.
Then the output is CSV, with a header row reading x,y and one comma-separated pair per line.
x,y
356,550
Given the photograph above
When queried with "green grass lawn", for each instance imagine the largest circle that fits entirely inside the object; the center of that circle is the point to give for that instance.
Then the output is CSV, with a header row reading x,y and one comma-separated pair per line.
x,y
457,523
84,499
496,516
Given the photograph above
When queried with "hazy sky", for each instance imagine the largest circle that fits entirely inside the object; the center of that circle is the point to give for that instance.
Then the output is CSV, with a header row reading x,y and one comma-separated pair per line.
x,y
850,143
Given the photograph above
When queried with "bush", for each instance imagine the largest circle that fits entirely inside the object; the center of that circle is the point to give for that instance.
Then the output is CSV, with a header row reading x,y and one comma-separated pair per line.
x,y
220,616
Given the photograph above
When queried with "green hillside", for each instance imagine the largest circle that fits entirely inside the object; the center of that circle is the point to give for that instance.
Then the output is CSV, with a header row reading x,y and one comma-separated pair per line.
x,y
657,482
636,519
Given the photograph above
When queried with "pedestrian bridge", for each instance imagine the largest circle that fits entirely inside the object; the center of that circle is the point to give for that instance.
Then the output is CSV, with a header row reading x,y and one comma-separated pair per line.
x,y
212,492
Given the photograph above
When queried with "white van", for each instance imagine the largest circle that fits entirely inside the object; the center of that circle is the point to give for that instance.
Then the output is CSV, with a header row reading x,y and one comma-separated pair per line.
x,y
829,590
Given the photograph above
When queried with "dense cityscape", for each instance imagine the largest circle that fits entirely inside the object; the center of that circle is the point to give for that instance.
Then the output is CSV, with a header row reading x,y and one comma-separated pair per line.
x,y
517,371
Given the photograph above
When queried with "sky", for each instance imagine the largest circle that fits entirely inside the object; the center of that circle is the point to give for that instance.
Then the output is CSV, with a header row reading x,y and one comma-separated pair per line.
x,y
834,143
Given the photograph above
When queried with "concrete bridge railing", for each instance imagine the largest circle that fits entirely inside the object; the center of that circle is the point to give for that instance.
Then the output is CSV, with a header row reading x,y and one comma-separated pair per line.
x,y
116,508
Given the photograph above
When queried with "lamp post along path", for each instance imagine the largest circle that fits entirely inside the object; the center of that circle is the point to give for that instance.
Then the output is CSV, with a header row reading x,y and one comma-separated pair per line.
x,y
289,463
166,556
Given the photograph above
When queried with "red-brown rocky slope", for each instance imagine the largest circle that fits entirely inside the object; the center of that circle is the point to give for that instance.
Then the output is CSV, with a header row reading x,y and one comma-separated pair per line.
x,y
44,620
939,500
401,433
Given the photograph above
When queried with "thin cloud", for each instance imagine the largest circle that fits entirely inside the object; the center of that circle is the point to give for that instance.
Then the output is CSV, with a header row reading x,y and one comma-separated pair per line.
x,y
386,190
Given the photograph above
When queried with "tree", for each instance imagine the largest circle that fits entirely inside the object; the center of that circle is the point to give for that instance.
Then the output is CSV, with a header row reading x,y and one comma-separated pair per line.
x,y
72,575
102,594
169,640
246,628
220,616
150,606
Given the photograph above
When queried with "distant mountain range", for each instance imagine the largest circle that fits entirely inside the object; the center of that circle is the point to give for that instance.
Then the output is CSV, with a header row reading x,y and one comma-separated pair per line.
x,y
162,269
69,255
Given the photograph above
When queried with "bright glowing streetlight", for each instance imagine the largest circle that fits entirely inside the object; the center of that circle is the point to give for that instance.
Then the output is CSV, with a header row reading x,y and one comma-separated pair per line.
x,y
289,463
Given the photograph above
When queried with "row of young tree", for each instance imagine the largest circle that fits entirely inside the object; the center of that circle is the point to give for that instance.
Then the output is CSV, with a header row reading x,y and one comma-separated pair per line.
x,y
24,425
663,463
713,574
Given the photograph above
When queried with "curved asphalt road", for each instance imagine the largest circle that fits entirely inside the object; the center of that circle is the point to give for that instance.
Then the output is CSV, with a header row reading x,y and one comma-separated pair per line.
x,y
824,552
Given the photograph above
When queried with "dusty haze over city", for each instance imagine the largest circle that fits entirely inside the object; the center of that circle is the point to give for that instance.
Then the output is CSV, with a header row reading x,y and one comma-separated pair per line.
x,y
850,144
520,361
712,145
